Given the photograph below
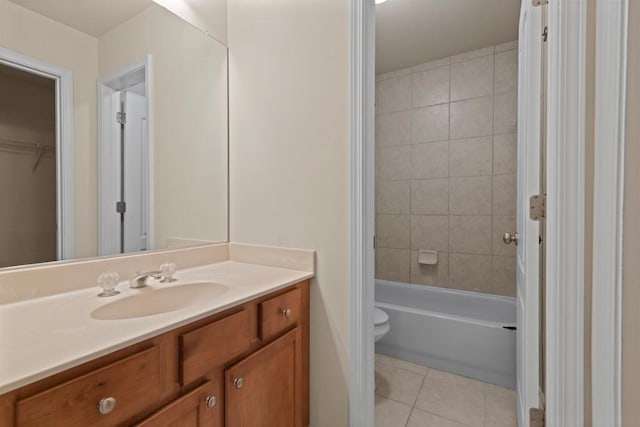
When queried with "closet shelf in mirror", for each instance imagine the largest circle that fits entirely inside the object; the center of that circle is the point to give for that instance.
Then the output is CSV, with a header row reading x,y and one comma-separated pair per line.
x,y
14,145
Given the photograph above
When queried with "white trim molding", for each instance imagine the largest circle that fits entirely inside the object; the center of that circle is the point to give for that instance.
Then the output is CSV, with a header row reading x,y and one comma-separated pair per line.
x,y
610,100
65,200
566,121
361,351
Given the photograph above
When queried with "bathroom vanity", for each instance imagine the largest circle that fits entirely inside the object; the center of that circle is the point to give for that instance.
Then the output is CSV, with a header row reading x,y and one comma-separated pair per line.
x,y
235,354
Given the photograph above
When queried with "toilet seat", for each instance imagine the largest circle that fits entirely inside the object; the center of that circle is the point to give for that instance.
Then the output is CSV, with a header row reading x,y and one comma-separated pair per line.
x,y
380,317
382,326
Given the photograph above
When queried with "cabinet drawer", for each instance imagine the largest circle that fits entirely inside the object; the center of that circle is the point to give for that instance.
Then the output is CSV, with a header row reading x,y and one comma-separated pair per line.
x,y
133,382
213,345
279,313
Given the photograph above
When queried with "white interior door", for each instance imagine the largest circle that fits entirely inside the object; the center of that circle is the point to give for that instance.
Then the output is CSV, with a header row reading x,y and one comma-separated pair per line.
x,y
528,262
135,172
124,162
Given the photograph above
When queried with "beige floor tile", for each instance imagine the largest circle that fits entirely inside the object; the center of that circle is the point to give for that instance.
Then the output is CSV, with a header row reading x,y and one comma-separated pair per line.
x,y
459,380
453,397
390,413
500,411
398,384
420,418
397,363
443,399
507,393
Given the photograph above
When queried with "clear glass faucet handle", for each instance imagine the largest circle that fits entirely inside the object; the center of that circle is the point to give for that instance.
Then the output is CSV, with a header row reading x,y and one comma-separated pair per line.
x,y
108,281
168,269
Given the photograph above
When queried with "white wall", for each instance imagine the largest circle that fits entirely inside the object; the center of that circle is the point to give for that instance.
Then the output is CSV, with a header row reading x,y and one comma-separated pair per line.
x,y
289,161
41,38
208,15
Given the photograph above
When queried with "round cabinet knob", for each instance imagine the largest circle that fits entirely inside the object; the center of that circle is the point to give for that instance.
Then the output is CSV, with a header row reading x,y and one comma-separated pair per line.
x,y
509,238
211,401
287,312
238,382
106,405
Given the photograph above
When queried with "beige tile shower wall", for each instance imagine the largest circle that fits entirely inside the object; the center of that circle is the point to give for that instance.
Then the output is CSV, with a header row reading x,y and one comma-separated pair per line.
x,y
445,170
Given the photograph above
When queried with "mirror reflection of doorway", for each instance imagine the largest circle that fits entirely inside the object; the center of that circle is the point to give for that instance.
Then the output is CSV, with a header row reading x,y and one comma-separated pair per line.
x,y
124,162
28,175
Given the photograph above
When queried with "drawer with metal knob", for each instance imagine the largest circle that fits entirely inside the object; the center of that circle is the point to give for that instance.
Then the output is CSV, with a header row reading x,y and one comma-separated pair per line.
x,y
279,314
109,396
212,345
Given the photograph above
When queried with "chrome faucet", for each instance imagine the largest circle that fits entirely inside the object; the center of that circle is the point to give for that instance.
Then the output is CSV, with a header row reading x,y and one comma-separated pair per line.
x,y
140,280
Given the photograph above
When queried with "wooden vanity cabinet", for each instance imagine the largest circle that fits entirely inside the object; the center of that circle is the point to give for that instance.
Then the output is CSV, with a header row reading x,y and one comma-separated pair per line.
x,y
244,367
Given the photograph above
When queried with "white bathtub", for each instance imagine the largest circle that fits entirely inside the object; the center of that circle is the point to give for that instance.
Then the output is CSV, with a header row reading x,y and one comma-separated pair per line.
x,y
456,331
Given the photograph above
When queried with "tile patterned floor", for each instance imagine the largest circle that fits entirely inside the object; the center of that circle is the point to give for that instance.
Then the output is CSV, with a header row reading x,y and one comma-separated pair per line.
x,y
410,395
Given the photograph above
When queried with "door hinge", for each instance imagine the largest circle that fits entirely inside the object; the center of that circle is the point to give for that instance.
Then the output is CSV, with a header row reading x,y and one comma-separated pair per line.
x,y
536,417
374,242
539,2
537,207
121,117
545,34
121,207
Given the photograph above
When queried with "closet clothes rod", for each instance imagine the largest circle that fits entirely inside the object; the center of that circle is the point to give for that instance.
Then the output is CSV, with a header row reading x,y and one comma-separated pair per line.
x,y
16,145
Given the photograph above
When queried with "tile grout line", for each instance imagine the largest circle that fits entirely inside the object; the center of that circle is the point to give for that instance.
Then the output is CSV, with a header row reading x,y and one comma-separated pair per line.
x,y
410,173
448,284
493,132
467,138
413,406
401,72
444,417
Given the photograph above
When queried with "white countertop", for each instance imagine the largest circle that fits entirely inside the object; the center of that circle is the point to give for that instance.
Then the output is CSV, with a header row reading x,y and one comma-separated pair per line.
x,y
44,336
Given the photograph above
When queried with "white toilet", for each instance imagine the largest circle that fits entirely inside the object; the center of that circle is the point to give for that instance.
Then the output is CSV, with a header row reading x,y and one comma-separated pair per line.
x,y
381,323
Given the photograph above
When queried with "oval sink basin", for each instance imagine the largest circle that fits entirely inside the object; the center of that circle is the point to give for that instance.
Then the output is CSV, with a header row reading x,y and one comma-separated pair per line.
x,y
158,301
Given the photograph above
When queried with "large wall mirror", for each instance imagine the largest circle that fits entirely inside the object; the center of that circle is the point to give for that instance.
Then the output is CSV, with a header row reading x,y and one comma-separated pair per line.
x,y
113,130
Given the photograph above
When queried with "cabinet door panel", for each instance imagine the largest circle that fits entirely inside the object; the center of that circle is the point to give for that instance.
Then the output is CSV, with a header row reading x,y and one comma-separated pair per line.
x,y
264,389
190,410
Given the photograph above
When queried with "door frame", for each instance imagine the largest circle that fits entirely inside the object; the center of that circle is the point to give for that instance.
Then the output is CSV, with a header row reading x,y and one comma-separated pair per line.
x,y
609,140
566,140
65,200
362,214
108,191
565,213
